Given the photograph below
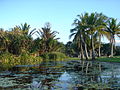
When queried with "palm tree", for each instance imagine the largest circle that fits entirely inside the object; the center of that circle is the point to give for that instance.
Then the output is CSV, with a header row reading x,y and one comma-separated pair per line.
x,y
113,29
80,35
25,28
102,21
80,38
48,40
94,22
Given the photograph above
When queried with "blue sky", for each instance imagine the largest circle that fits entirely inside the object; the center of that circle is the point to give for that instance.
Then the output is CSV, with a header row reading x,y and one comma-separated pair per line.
x,y
60,13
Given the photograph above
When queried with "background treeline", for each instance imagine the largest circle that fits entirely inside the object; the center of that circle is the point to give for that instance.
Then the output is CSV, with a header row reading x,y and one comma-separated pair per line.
x,y
19,40
87,33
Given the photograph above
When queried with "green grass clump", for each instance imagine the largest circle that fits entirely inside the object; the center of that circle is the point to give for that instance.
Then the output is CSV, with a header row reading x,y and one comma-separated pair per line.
x,y
109,59
54,56
73,58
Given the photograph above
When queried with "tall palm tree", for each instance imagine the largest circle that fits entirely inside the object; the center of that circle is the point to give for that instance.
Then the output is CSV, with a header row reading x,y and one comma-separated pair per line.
x,y
76,32
102,21
113,29
46,32
94,22
81,33
48,40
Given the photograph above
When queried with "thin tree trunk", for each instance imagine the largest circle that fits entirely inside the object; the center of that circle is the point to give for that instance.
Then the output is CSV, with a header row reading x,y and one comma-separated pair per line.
x,y
85,47
99,52
93,49
111,48
81,48
82,54
86,52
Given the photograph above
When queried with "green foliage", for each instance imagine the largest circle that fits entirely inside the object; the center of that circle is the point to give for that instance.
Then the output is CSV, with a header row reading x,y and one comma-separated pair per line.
x,y
26,59
9,60
117,50
53,56
15,40
105,49
71,49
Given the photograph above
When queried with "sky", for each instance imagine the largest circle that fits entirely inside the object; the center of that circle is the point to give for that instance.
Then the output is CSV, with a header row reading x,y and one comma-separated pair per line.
x,y
60,13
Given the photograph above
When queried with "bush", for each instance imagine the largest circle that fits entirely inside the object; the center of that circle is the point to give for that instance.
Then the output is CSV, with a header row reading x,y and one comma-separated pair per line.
x,y
26,59
8,60
53,56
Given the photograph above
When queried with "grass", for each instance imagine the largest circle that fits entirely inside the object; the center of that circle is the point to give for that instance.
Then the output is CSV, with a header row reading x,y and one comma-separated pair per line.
x,y
102,59
109,59
72,58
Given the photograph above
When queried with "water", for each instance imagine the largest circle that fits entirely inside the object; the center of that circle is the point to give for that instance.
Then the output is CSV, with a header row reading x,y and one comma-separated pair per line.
x,y
60,75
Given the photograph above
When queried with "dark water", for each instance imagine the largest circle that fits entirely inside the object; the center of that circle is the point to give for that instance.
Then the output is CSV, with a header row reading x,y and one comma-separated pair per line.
x,y
60,75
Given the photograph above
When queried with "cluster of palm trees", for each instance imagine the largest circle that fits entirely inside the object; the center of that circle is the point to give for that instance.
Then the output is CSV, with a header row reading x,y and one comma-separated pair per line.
x,y
88,31
19,39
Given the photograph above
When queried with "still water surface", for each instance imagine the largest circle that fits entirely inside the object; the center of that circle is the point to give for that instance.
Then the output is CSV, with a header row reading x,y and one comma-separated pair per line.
x,y
61,75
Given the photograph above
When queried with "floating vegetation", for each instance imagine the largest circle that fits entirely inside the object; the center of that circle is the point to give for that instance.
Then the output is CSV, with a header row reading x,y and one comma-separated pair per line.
x,y
57,75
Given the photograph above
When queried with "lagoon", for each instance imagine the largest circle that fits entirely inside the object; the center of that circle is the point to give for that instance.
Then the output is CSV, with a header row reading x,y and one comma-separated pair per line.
x,y
61,75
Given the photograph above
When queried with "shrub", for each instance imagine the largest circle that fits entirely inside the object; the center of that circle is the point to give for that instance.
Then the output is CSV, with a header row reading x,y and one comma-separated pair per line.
x,y
26,59
8,60
53,56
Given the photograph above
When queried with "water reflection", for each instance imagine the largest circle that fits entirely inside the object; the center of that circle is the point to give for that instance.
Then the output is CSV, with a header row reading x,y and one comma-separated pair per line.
x,y
60,75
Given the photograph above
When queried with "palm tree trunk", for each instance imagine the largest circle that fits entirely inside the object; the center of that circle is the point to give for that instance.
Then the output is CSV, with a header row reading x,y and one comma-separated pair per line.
x,y
99,53
82,53
85,47
86,52
93,49
111,48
